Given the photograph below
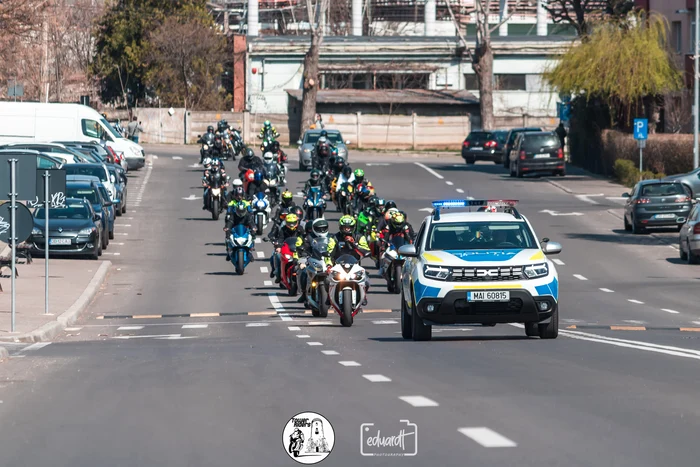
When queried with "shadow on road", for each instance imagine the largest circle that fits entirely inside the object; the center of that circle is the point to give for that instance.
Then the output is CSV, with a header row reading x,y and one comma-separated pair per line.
x,y
617,236
215,244
197,219
456,338
221,273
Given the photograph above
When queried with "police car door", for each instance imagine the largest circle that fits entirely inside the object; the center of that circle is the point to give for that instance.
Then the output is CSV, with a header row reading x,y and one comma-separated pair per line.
x,y
410,265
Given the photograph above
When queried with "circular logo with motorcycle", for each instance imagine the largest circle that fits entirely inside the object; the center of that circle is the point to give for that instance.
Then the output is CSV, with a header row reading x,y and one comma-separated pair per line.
x,y
308,438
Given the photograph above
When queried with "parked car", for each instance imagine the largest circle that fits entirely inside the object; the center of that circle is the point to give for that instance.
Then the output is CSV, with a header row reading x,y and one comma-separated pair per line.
x,y
90,191
689,237
308,143
97,152
691,180
43,161
656,203
484,146
74,230
120,185
58,151
537,151
510,141
96,170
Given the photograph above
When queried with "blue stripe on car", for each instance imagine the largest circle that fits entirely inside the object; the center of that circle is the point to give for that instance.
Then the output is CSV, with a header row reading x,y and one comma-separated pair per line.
x,y
484,255
421,291
549,289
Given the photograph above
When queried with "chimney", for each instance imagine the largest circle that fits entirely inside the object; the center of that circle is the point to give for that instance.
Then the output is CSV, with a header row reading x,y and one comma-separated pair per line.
x,y
429,17
503,28
253,18
541,19
356,17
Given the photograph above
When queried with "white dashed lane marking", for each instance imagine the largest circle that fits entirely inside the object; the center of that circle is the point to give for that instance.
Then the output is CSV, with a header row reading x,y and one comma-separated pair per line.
x,y
303,336
314,343
195,326
419,401
487,437
257,325
294,328
635,301
260,254
264,269
258,240
349,363
606,290
558,262
459,190
267,283
385,321
673,312
329,352
376,378
130,328
449,183
580,277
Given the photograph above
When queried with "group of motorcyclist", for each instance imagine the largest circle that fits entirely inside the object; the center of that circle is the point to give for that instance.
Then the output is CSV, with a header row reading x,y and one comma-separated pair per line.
x,y
365,229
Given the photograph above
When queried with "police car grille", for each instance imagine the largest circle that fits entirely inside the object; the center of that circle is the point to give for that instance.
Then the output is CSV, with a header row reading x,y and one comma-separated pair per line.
x,y
487,274
463,307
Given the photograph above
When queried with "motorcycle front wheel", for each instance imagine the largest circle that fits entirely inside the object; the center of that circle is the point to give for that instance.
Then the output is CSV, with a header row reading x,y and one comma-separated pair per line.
x,y
215,209
260,225
346,316
240,262
397,279
322,299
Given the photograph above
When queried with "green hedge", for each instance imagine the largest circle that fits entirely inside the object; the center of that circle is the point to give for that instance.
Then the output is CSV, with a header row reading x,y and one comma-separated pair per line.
x,y
628,174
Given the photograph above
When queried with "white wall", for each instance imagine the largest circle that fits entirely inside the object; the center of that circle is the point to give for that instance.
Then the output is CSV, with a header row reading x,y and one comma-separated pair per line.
x,y
278,76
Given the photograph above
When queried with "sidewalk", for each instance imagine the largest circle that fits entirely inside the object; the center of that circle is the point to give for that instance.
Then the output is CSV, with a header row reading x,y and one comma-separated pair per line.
x,y
581,182
73,283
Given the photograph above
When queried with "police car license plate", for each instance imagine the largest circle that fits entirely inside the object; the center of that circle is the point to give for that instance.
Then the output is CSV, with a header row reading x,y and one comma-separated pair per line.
x,y
488,296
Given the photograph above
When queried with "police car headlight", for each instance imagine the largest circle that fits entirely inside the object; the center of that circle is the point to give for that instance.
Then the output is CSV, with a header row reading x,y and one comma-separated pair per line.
x,y
436,272
536,270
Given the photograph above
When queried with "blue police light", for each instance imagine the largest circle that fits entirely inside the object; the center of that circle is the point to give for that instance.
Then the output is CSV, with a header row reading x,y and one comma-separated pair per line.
x,y
450,203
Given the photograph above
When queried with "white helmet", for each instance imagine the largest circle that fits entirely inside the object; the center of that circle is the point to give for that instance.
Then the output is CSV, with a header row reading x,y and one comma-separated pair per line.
x,y
267,157
322,139
207,161
237,182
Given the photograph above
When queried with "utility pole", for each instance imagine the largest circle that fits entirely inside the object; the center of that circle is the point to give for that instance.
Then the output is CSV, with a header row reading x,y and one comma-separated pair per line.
x,y
44,59
696,88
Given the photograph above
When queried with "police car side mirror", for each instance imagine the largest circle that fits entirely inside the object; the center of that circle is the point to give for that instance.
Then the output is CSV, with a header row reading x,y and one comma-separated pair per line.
x,y
551,248
408,251
299,142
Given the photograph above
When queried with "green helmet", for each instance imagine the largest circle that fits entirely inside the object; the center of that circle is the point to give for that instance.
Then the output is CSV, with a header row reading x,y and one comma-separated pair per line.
x,y
359,173
267,124
347,224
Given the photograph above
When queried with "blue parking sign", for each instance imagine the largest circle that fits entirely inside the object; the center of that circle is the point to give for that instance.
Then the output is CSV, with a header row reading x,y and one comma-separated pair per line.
x,y
641,128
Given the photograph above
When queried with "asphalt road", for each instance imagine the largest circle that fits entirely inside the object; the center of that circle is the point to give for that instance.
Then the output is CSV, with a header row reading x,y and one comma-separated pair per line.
x,y
181,363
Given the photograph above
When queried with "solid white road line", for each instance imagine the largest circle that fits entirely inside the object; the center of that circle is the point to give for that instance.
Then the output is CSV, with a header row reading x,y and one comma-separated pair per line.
x,y
267,283
449,183
177,158
260,254
419,401
314,343
580,277
72,329
638,345
606,290
635,301
35,346
673,312
257,325
459,190
129,328
587,199
558,262
487,437
329,352
303,336
111,253
195,326
349,363
264,269
294,328
385,321
376,378
429,170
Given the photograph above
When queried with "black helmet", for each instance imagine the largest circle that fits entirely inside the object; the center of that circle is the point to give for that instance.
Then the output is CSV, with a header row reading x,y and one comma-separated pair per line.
x,y
249,153
347,171
339,163
389,205
324,133
315,175
298,211
210,129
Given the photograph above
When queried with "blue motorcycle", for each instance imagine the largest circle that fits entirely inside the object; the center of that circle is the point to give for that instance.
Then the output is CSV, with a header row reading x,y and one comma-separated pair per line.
x,y
238,245
315,204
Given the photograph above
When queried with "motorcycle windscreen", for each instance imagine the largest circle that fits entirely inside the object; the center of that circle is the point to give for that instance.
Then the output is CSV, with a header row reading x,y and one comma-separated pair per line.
x,y
320,247
240,230
346,259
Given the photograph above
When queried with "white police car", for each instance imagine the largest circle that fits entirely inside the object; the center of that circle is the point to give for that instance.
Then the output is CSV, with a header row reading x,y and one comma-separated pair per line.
x,y
482,267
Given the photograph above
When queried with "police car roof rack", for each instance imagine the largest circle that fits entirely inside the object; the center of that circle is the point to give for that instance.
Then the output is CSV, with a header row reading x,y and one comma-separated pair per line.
x,y
508,205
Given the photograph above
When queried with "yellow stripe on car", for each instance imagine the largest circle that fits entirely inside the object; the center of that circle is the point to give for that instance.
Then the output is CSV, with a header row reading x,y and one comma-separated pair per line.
x,y
432,258
537,256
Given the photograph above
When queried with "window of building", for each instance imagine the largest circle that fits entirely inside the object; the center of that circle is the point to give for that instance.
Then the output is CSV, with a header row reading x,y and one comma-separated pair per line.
x,y
691,50
676,37
471,83
401,81
509,82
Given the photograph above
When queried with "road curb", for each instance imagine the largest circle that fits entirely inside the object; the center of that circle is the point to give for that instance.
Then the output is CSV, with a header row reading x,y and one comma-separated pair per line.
x,y
4,354
560,186
68,317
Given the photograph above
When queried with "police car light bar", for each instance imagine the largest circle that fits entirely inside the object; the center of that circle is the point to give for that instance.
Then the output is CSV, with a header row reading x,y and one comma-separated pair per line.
x,y
465,203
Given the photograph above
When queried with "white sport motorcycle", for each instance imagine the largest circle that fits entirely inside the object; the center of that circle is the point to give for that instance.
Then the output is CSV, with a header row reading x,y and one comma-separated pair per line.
x,y
260,206
346,288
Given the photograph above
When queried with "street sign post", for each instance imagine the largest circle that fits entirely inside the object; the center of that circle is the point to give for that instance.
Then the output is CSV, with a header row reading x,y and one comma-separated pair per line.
x,y
53,192
641,132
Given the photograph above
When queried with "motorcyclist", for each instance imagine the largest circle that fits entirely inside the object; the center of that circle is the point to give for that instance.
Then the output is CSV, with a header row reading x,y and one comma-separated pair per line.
x,y
346,242
208,139
397,226
206,181
257,185
315,180
286,202
359,177
389,209
346,176
268,131
239,213
223,126
290,228
316,229
249,161
322,152
336,163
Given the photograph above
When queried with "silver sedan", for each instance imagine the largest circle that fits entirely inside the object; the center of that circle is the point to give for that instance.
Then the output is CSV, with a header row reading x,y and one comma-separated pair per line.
x,y
689,238
308,142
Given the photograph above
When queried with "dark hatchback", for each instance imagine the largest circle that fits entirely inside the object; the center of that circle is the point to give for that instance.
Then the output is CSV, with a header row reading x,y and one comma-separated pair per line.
x,y
484,146
91,192
656,203
74,230
535,152
510,141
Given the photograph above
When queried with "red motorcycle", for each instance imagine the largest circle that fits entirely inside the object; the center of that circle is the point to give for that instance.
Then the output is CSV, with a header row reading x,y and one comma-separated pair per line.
x,y
288,268
248,177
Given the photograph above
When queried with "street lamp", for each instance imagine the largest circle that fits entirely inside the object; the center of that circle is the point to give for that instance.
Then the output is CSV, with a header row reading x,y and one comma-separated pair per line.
x,y
696,82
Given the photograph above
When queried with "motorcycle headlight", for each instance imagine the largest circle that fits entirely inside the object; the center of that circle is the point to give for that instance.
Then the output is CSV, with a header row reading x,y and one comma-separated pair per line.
x,y
36,231
338,276
307,150
288,257
436,272
260,204
87,231
205,147
536,270
240,240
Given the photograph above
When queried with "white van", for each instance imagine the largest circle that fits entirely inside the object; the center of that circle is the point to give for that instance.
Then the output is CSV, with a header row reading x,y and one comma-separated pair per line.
x,y
25,122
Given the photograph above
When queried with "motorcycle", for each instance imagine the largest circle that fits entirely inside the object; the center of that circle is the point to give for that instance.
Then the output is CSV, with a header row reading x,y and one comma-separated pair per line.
x,y
295,446
237,143
238,245
316,270
205,150
216,201
344,197
273,180
219,146
288,266
346,288
315,203
227,147
392,264
261,211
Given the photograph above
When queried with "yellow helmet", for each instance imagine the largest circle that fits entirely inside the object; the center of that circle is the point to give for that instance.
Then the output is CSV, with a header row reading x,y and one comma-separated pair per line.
x,y
292,221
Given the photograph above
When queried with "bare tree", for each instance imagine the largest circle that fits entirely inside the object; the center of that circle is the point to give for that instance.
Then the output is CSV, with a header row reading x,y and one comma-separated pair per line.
x,y
316,10
481,57
678,112
581,13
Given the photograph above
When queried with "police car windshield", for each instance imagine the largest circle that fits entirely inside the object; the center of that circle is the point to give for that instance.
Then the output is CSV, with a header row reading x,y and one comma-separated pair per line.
x,y
480,236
